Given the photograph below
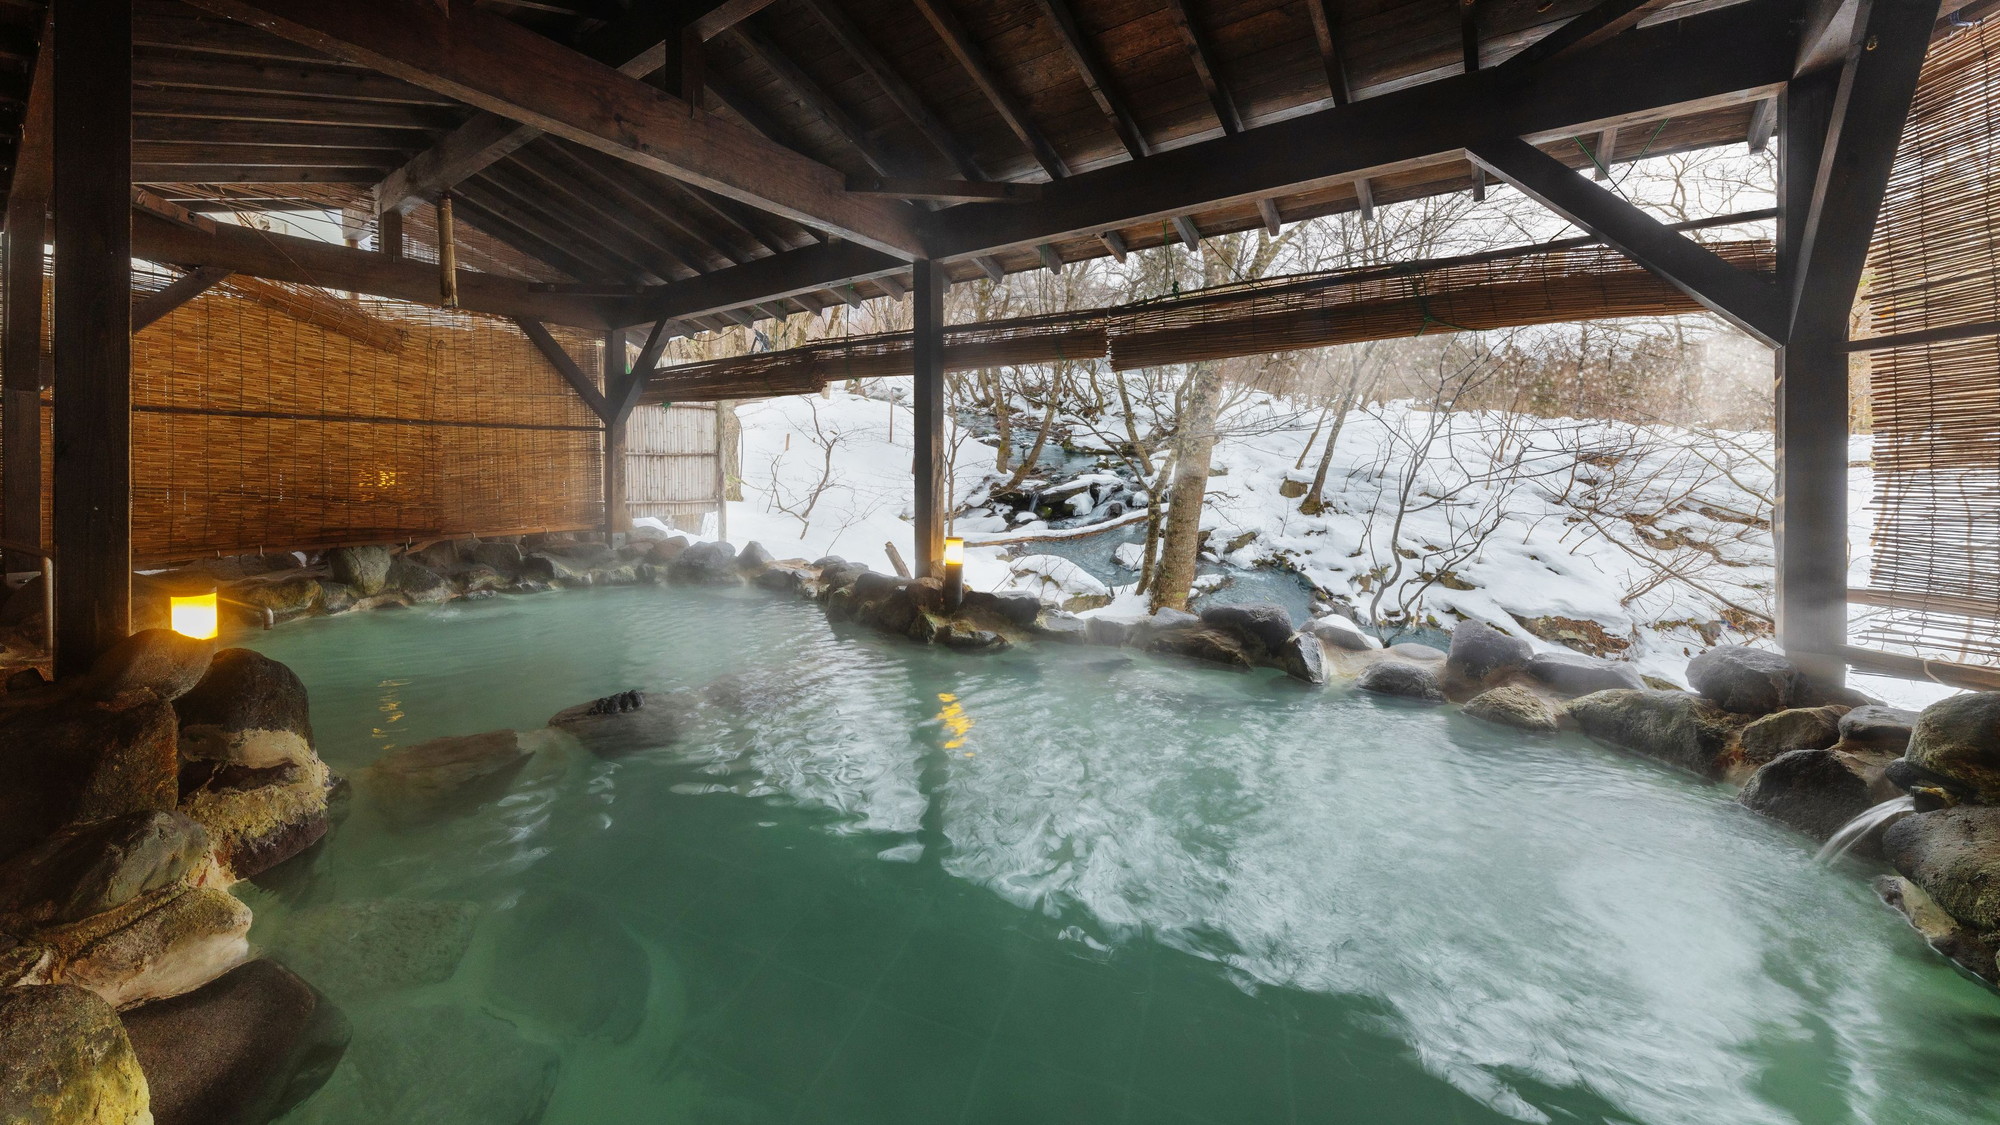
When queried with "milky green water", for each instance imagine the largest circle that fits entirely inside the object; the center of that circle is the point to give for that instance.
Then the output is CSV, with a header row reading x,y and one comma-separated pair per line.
x,y
1105,889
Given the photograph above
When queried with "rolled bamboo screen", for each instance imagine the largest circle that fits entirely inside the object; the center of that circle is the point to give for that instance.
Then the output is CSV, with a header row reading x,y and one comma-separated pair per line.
x,y
1935,263
1311,311
276,416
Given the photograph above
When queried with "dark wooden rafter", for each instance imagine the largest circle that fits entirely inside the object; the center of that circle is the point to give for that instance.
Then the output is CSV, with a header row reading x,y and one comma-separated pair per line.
x,y
1089,64
1746,300
972,58
933,492
597,204
814,97
565,365
1201,52
1340,87
871,60
634,44
1590,28
503,68
148,310
527,227
1763,125
1468,46
945,191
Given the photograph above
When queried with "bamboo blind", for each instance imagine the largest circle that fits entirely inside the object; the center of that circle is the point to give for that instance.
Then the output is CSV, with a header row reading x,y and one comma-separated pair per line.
x,y
276,416
1312,311
1935,263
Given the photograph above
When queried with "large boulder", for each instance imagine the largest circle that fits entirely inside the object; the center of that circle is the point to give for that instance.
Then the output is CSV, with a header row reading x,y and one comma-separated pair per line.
x,y
1954,854
1878,728
836,573
1016,607
361,949
419,583
629,722
96,866
1108,631
294,596
1302,658
241,1050
753,559
1479,652
1573,673
64,1060
364,568
1415,651
1946,934
1814,790
437,1065
257,817
1269,626
1514,706
443,777
1676,727
1958,739
1199,642
249,710
504,558
1338,631
1750,681
67,761
1781,732
705,564
1394,677
182,943
150,666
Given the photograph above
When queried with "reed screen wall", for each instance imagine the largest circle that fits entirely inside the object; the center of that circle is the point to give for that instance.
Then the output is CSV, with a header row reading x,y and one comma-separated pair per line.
x,y
269,416
1935,264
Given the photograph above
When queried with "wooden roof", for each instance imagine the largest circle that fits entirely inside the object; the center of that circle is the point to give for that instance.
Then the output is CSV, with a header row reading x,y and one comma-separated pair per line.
x,y
275,104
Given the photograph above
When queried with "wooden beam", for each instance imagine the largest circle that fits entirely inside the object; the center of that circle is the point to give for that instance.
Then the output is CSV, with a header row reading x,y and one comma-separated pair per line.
x,y
616,378
1190,236
308,261
1114,242
389,234
1326,31
634,44
1728,56
1607,150
565,365
933,499
1468,34
893,286
499,66
865,55
21,339
1840,129
1595,25
783,274
990,266
148,310
1051,260
1202,55
946,191
93,329
1750,302
1090,66
1763,125
960,43
1267,209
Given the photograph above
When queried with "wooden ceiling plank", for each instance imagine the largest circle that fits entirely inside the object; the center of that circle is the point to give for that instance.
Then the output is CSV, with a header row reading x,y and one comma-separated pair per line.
x,y
482,206
1202,54
503,68
973,60
1594,26
1090,66
599,225
899,92
816,100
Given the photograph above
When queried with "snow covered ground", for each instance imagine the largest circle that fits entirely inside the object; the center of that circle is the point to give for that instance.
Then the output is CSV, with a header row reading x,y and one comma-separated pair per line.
x,y
1647,543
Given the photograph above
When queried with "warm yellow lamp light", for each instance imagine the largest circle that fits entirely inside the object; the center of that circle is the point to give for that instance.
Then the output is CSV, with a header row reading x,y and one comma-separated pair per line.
x,y
193,615
954,573
954,551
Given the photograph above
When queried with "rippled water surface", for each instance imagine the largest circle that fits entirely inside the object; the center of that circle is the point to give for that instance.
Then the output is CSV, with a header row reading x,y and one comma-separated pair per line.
x,y
876,883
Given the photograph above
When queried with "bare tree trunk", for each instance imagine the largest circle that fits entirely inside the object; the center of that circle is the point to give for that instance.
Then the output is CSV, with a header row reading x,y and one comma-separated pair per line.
x,y
1003,419
1315,499
1034,453
1195,446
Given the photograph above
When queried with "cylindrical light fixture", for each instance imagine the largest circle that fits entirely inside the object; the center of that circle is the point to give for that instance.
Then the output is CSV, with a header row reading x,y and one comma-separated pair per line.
x,y
193,615
954,573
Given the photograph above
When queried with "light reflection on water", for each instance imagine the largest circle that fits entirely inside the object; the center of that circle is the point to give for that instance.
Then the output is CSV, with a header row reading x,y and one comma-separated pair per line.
x,y
1149,892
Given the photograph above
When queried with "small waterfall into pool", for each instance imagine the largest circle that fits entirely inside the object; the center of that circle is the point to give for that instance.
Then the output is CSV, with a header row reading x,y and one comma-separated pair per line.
x,y
1861,827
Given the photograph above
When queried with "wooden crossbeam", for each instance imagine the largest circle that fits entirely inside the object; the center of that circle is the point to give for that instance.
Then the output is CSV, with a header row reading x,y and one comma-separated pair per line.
x,y
150,308
1090,66
1750,302
945,191
1326,31
972,59
499,66
564,364
1592,27
1202,54
634,44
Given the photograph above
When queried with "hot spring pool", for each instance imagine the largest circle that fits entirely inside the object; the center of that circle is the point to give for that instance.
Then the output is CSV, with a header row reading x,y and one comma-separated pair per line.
x,y
885,883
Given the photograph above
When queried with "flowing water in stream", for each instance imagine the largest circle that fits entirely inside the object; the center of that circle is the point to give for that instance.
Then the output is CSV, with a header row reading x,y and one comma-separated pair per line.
x,y
880,883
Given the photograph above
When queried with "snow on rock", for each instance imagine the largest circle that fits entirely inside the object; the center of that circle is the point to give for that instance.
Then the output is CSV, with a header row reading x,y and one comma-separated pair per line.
x,y
1055,579
1131,556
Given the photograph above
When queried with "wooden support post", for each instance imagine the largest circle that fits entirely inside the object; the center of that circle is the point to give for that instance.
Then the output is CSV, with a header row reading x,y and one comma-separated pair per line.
x,y
21,341
93,328
389,234
927,282
615,378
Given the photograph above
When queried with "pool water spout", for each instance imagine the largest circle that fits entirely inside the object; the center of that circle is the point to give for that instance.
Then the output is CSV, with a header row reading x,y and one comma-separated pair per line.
x,y
1871,821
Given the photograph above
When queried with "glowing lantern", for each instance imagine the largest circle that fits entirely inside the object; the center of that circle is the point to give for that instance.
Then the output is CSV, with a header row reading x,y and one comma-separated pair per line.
x,y
954,573
193,615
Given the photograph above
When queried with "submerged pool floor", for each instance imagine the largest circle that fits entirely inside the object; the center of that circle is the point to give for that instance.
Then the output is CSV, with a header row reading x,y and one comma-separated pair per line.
x,y
880,883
